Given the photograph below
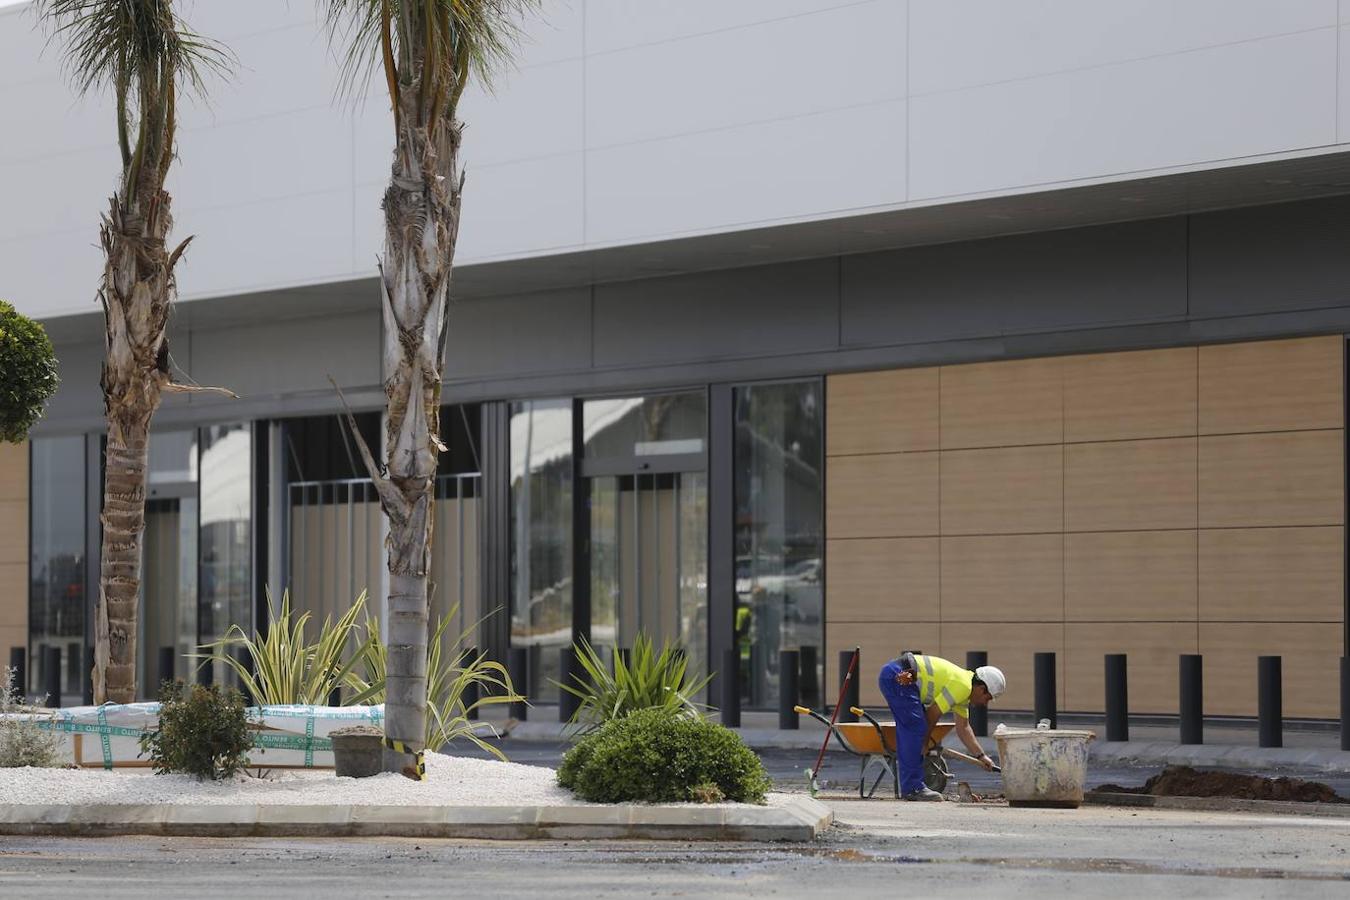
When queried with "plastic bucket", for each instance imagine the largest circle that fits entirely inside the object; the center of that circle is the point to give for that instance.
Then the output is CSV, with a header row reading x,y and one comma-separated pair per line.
x,y
1043,767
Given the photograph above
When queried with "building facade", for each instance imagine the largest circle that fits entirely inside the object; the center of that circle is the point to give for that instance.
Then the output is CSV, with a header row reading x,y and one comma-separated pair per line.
x,y
992,328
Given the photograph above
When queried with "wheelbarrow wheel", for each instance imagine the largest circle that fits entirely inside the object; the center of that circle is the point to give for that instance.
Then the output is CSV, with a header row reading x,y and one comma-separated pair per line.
x,y
935,773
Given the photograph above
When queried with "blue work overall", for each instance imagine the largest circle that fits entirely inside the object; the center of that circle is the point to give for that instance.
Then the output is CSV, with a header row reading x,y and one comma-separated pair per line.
x,y
911,725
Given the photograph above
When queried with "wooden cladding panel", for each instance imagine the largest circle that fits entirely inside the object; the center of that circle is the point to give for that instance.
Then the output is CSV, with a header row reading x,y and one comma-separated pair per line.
x,y
1310,653
888,495
880,642
882,412
14,532
1127,485
1147,576
1005,490
13,600
1282,478
13,471
1272,574
1272,386
1015,578
1002,404
1012,647
1152,650
880,578
1130,396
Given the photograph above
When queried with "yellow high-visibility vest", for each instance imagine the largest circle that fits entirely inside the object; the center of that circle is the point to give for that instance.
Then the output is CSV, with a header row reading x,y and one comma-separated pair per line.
x,y
944,683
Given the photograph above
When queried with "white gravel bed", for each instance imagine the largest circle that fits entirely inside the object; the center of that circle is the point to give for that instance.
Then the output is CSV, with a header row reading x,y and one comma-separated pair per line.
x,y
451,781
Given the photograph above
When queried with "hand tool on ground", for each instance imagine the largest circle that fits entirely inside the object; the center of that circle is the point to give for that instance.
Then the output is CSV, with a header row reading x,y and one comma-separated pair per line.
x,y
957,754
814,771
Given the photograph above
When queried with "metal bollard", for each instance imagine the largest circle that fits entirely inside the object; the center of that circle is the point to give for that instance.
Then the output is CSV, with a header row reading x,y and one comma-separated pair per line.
x,y
470,696
568,702
730,681
852,696
1345,702
517,663
1269,702
1117,698
18,661
51,675
789,662
1192,701
1046,705
245,659
810,677
74,661
979,715
166,664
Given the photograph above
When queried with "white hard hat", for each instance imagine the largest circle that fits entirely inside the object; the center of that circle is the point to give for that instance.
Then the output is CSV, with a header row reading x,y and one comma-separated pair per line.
x,y
993,679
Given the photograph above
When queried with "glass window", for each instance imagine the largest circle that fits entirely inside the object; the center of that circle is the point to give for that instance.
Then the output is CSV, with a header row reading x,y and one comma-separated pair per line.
x,y
56,598
541,537
778,485
657,425
226,594
168,617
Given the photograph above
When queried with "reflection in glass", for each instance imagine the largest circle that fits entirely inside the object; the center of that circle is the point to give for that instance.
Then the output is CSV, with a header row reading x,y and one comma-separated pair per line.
x,y
657,425
226,532
168,588
778,456
56,599
541,537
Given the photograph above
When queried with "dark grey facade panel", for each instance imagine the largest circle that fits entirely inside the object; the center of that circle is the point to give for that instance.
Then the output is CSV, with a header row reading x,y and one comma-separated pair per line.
x,y
718,315
1287,257
1105,275
526,334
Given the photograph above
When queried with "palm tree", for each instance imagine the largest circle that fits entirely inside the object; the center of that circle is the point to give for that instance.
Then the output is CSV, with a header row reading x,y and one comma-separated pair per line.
x,y
428,50
144,53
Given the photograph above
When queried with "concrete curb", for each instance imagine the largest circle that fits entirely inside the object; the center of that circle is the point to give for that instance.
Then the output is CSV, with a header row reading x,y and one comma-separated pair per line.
x,y
799,819
1218,804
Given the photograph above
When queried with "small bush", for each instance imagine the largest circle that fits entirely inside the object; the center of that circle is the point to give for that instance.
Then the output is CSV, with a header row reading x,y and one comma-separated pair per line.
x,y
650,756
23,742
203,731
27,373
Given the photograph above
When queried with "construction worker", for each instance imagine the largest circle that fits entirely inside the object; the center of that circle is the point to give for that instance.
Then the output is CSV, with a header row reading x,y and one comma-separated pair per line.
x,y
919,689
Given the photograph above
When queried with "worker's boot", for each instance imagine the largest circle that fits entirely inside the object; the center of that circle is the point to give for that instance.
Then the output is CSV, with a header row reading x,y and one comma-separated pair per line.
x,y
924,794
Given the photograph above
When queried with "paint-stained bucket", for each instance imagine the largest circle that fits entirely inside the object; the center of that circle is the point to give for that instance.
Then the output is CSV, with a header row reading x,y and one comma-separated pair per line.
x,y
1043,767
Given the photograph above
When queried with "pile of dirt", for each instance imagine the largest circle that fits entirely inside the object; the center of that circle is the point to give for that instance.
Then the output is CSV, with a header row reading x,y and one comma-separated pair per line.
x,y
1183,781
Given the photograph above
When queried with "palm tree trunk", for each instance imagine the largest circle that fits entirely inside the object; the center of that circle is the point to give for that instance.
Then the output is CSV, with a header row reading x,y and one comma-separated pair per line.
x,y
137,289
421,208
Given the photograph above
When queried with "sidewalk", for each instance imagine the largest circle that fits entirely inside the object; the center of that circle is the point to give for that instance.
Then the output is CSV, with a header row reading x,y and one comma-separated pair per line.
x,y
1229,744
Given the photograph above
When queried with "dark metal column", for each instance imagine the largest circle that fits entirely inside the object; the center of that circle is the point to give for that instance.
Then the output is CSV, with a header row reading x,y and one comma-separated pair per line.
x,y
93,548
1117,698
494,545
1269,701
979,715
581,566
1192,705
1046,692
788,689
729,679
721,528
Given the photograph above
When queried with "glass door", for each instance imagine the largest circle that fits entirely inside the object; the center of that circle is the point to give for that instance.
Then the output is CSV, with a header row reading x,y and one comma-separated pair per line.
x,y
169,588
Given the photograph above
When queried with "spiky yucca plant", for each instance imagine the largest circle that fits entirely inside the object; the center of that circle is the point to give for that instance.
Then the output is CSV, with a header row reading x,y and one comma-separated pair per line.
x,y
428,50
647,680
145,54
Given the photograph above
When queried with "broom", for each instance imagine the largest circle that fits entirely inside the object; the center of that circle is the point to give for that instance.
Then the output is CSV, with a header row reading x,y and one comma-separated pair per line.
x,y
814,771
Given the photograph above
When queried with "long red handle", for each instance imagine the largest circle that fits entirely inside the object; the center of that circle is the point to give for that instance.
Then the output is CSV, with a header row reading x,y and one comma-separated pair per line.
x,y
839,704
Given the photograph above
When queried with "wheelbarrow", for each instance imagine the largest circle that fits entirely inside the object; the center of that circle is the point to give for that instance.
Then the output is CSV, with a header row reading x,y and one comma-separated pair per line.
x,y
874,743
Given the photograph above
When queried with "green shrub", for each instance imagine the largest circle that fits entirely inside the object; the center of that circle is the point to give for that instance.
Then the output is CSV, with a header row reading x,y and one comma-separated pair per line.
x,y
23,741
649,680
650,756
203,731
27,373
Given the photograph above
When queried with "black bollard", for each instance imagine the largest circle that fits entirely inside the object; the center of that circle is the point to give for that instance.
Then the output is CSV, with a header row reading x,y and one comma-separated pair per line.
x,y
1269,702
568,702
245,659
1046,705
470,696
51,675
730,680
852,694
1117,698
810,677
517,662
1345,702
789,662
979,715
1192,706
74,662
166,664
18,661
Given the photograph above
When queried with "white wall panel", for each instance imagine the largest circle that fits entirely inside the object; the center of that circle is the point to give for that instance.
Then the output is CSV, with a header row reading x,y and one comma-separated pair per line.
x,y
556,34
787,67
52,118
614,24
522,207
532,112
1232,101
53,274
64,192
974,42
836,160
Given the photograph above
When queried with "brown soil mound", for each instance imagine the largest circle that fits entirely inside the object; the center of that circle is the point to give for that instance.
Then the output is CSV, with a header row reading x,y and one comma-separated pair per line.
x,y
1183,781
